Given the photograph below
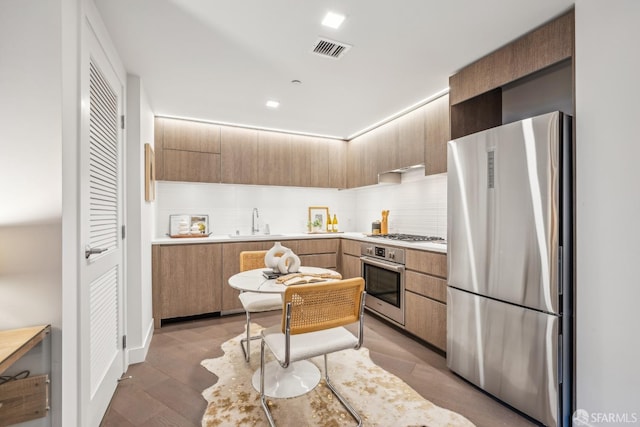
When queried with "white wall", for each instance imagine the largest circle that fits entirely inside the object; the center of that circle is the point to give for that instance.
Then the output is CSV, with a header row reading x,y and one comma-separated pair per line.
x,y
608,207
139,128
70,248
417,206
31,176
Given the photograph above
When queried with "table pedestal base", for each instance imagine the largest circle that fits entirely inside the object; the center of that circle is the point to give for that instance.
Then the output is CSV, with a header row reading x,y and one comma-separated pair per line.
x,y
299,378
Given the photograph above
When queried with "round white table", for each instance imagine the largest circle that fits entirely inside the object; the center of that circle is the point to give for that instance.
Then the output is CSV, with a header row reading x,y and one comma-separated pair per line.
x,y
299,377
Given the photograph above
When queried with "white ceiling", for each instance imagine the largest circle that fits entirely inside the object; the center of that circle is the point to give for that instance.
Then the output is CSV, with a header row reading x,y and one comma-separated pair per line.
x,y
221,61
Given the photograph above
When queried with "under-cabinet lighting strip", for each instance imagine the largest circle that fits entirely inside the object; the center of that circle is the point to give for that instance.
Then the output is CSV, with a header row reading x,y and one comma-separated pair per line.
x,y
239,125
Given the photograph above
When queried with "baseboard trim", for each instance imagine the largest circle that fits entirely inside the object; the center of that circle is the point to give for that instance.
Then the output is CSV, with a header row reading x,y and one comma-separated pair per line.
x,y
139,354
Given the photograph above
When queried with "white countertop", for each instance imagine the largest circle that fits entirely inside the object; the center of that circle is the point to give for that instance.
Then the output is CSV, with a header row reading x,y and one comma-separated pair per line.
x,y
362,237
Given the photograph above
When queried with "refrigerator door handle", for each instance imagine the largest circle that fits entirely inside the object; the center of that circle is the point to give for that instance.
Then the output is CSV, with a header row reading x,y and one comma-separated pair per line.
x,y
560,358
560,269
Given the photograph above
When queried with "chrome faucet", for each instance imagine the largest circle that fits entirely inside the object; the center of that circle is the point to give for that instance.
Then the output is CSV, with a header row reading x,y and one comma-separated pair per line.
x,y
255,227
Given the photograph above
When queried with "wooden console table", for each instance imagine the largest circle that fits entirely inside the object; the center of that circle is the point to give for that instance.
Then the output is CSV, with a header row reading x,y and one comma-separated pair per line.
x,y
14,343
24,399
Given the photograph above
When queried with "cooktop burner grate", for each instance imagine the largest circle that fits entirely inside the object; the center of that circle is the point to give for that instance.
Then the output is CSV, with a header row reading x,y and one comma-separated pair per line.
x,y
409,237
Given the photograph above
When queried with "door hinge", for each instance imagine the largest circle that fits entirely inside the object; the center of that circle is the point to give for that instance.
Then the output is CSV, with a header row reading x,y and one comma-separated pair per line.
x,y
124,231
122,121
124,342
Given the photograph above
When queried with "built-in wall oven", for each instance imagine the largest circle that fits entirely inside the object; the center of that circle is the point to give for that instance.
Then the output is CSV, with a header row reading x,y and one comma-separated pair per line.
x,y
383,273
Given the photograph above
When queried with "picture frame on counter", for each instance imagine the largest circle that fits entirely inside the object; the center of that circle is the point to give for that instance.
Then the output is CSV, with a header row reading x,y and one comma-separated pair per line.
x,y
149,173
318,215
186,225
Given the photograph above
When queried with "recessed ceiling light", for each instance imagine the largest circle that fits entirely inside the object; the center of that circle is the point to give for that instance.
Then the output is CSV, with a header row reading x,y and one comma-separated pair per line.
x,y
333,20
273,104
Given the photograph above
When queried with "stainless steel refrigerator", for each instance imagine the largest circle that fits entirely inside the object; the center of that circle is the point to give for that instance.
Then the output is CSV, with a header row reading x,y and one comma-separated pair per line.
x,y
509,299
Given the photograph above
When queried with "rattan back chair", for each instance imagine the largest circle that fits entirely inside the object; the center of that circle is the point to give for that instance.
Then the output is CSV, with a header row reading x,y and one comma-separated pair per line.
x,y
250,260
254,302
312,325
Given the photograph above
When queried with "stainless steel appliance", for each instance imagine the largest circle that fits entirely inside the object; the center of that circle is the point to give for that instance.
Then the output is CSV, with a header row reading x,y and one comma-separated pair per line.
x,y
509,299
383,273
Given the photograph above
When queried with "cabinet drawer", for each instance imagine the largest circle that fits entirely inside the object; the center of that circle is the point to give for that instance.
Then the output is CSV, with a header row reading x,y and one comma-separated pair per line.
x,y
320,260
426,319
425,285
351,247
427,262
317,246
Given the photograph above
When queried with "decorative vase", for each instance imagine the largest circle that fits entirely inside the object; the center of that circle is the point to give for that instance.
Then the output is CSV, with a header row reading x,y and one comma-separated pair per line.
x,y
282,262
294,263
289,262
273,255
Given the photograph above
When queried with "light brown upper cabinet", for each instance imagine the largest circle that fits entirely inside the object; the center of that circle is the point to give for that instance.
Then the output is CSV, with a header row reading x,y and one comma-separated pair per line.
x,y
191,136
318,162
385,140
362,161
239,150
204,152
309,162
355,158
418,137
274,158
436,129
337,162
476,90
411,138
187,150
191,166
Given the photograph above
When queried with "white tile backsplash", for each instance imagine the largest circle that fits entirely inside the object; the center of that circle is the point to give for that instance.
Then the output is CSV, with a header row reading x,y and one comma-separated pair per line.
x,y
417,206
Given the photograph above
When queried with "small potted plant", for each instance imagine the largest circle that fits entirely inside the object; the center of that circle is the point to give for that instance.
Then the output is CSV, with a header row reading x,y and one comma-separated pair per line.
x,y
315,225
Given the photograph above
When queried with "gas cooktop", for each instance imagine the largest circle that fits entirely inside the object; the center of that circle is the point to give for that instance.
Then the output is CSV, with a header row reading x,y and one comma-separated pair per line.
x,y
409,237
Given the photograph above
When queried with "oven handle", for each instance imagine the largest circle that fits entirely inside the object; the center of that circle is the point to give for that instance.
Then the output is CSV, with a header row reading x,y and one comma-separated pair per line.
x,y
386,265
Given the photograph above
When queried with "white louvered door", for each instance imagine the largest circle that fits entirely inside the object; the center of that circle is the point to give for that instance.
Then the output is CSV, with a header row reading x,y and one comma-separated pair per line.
x,y
102,271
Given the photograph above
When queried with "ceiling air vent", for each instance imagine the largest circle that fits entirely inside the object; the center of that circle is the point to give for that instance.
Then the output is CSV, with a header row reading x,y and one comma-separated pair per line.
x,y
330,48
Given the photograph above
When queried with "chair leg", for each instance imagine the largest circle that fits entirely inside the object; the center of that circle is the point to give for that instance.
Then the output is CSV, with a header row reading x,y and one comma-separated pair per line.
x,y
263,398
341,398
247,339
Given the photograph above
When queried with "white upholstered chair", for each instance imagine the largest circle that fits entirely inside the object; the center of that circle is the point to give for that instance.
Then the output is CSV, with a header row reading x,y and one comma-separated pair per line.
x,y
313,323
254,302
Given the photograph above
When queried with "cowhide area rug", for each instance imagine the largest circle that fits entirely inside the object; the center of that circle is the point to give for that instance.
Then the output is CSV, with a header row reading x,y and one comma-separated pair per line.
x,y
381,398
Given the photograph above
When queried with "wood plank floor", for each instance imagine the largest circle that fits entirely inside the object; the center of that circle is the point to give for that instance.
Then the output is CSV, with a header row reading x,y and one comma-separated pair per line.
x,y
165,389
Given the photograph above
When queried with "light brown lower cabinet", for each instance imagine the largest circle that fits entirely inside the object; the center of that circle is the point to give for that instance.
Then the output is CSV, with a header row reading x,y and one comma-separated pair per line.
x,y
426,319
192,279
321,253
186,280
426,296
320,260
350,258
351,266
